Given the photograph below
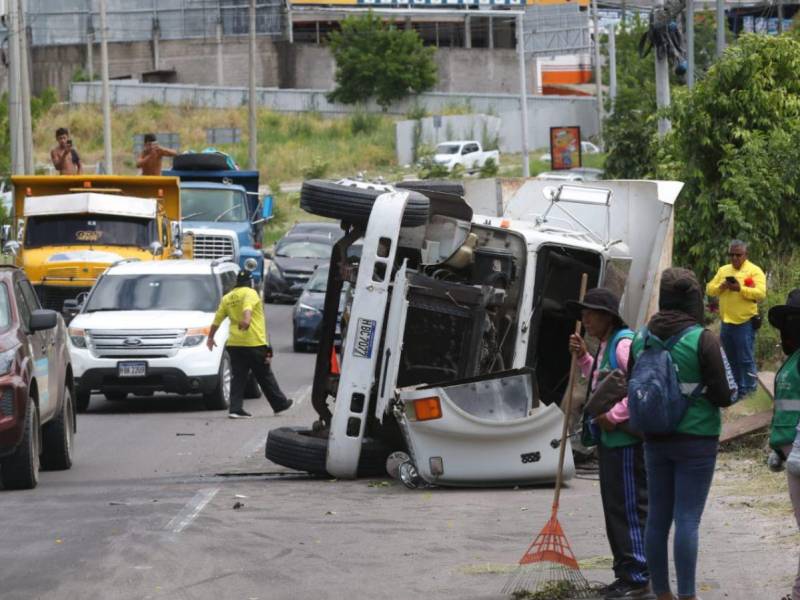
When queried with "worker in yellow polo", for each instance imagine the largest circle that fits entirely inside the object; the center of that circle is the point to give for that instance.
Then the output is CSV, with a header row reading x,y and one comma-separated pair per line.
x,y
247,345
740,286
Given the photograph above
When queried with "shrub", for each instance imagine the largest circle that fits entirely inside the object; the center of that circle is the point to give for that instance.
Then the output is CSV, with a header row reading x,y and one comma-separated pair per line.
x,y
489,169
317,169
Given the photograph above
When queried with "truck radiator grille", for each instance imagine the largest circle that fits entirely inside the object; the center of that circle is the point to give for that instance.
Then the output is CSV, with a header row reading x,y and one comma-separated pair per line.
x,y
212,246
135,344
53,296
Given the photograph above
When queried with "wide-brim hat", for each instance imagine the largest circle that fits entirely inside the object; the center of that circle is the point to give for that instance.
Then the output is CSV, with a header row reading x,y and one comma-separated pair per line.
x,y
601,299
777,315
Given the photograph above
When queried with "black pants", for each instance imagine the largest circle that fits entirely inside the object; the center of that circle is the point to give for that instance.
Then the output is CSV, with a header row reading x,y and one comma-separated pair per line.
x,y
623,489
245,359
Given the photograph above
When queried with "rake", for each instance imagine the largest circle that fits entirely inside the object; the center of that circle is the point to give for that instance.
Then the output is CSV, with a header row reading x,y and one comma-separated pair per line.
x,y
549,570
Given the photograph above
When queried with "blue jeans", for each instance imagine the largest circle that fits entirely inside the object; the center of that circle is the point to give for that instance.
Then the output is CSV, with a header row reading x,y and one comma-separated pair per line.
x,y
679,475
738,341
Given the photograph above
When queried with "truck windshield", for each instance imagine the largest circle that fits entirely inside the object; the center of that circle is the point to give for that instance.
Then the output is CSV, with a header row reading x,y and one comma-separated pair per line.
x,y
224,206
89,230
447,149
154,292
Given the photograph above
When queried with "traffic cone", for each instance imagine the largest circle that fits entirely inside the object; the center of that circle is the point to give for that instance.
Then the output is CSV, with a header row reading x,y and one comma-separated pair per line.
x,y
334,363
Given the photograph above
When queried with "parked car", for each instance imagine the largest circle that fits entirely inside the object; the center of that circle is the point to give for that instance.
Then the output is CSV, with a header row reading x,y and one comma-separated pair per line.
x,y
308,311
292,263
467,153
331,229
37,411
143,328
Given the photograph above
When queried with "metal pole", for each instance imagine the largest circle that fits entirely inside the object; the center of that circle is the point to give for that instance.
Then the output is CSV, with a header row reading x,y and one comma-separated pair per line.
x,y
523,95
25,91
156,35
720,27
14,100
219,51
690,43
780,17
662,84
467,32
90,47
612,63
108,163
598,73
289,21
253,135
491,33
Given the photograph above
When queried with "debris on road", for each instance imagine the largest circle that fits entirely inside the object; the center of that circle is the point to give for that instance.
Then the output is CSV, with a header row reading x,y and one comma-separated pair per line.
x,y
186,434
237,505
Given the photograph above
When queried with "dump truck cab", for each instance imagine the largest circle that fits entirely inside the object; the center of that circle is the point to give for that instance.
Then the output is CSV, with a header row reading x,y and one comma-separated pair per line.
x,y
69,229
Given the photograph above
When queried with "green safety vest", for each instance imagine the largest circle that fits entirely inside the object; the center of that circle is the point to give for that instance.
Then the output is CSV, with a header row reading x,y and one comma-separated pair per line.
x,y
616,438
787,404
702,417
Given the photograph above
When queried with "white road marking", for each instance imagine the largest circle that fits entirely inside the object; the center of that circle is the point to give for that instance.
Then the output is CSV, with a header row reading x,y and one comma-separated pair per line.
x,y
254,445
192,509
301,395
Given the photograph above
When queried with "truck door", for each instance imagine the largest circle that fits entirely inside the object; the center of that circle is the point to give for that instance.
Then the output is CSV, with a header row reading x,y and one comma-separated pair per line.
x,y
42,348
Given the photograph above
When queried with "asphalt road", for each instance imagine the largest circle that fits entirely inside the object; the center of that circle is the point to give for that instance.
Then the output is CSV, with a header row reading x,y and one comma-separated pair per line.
x,y
171,502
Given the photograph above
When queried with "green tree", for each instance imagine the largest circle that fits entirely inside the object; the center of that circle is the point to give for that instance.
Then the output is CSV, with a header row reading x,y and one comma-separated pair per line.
x,y
375,59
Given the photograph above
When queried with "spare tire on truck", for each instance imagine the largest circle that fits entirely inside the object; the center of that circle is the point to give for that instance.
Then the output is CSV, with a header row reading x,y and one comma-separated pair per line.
x,y
305,450
433,185
351,201
200,161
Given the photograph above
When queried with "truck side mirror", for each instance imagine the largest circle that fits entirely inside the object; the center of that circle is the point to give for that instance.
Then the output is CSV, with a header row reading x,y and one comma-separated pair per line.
x,y
11,248
5,234
266,208
155,248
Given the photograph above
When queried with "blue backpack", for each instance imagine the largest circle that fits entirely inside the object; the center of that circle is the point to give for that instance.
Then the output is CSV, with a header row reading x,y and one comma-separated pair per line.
x,y
655,400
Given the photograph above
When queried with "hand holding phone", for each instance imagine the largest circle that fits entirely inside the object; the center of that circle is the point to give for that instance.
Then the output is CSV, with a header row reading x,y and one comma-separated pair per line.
x,y
730,279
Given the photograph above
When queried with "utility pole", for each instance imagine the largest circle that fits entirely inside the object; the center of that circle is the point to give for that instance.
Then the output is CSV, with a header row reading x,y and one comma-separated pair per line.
x,y
14,100
25,91
523,94
253,136
662,83
690,43
598,73
108,165
780,16
90,44
612,62
720,27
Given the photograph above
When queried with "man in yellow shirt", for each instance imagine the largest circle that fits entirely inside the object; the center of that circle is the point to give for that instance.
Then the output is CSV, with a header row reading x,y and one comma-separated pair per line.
x,y
740,286
247,346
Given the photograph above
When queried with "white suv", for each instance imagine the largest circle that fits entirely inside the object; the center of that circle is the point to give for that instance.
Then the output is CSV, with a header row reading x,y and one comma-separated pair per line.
x,y
143,328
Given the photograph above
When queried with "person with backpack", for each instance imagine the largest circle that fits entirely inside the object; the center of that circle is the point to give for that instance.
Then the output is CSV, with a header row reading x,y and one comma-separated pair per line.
x,y
679,379
784,436
623,482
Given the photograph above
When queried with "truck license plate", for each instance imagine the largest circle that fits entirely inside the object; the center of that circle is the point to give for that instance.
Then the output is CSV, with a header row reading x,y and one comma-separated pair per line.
x,y
132,368
365,336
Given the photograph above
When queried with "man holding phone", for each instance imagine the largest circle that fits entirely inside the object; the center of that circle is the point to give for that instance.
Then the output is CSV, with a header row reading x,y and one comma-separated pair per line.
x,y
65,158
740,286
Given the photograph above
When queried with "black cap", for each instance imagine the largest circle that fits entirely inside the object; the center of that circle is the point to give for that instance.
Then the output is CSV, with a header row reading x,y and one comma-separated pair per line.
x,y
601,299
244,278
777,315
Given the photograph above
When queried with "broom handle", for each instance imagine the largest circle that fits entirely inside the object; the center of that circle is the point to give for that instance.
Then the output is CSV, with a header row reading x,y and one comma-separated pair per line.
x,y
566,405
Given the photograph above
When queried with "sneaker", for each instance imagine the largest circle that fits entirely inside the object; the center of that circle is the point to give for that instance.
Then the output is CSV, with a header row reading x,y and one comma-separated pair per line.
x,y
630,591
611,587
289,403
239,414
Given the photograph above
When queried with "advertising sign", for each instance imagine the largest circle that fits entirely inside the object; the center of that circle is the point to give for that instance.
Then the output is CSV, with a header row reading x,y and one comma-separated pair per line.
x,y
565,147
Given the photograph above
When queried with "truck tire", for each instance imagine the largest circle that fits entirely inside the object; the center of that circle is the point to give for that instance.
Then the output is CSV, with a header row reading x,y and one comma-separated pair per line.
x,y
82,399
20,471
353,203
433,185
301,449
220,398
57,437
200,161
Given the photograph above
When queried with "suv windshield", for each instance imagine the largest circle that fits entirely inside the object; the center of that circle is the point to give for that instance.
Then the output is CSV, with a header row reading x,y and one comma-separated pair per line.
x,y
154,292
303,249
88,230
447,149
213,205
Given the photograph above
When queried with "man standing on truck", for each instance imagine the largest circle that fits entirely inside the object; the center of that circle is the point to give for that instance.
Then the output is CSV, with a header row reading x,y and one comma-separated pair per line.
x,y
149,160
247,346
65,158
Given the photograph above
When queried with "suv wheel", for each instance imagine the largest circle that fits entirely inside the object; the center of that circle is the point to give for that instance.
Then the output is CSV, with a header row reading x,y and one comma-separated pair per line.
x,y
57,437
220,398
20,471
82,398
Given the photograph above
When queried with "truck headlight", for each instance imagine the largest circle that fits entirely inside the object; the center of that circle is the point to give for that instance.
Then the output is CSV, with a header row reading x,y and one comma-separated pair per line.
x,y
77,337
195,337
7,360
250,264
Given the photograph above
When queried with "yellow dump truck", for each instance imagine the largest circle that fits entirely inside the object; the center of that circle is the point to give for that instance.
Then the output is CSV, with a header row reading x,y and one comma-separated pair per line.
x,y
70,228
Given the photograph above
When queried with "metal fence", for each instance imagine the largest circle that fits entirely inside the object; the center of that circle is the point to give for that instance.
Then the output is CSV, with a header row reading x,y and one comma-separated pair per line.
x,y
55,22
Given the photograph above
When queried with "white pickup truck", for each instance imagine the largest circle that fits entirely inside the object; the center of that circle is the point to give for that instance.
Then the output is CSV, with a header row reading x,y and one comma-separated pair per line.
x,y
467,153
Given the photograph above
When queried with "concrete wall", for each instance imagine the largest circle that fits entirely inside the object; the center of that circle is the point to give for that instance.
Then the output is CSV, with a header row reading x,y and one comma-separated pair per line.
x,y
483,128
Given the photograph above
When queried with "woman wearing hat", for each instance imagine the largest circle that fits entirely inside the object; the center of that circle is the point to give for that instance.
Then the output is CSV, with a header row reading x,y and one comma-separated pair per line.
x,y
623,482
784,429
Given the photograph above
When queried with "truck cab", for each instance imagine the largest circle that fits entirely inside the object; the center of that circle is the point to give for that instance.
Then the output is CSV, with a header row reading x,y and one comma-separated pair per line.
x,y
223,213
69,229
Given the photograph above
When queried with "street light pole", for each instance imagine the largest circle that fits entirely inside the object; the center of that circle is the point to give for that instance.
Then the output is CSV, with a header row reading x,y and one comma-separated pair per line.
x,y
720,27
598,73
690,43
14,96
523,97
25,91
662,84
253,136
108,165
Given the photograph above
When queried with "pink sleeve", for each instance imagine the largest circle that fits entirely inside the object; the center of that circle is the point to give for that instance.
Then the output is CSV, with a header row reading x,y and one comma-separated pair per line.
x,y
585,364
619,412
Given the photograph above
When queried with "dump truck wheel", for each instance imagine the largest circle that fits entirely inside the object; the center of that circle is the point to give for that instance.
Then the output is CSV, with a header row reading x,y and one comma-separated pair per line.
x,y
351,201
200,161
303,450
433,185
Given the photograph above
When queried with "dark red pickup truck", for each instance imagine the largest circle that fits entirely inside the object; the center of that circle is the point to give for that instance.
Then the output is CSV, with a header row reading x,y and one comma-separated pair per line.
x,y
37,412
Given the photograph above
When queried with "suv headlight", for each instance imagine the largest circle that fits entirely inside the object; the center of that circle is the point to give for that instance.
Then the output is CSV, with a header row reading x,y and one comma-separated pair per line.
x,y
77,337
306,310
7,360
194,337
274,271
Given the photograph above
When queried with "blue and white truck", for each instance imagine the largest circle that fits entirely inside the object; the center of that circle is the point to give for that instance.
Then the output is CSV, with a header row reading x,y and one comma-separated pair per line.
x,y
224,213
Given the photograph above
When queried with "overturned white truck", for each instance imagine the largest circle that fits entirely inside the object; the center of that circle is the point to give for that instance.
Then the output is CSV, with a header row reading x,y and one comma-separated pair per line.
x,y
454,330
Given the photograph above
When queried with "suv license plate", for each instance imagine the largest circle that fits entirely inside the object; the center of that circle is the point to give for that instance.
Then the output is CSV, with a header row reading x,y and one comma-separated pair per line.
x,y
132,369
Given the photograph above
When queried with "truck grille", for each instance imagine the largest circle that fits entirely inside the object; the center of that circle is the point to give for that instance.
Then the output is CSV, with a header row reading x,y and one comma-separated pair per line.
x,y
162,343
53,296
213,245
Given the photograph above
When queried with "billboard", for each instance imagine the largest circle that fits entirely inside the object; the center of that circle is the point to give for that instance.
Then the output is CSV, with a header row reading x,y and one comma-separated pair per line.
x,y
565,147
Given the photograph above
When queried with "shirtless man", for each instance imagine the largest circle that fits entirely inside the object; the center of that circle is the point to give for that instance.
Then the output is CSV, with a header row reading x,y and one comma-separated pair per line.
x,y
65,158
149,160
